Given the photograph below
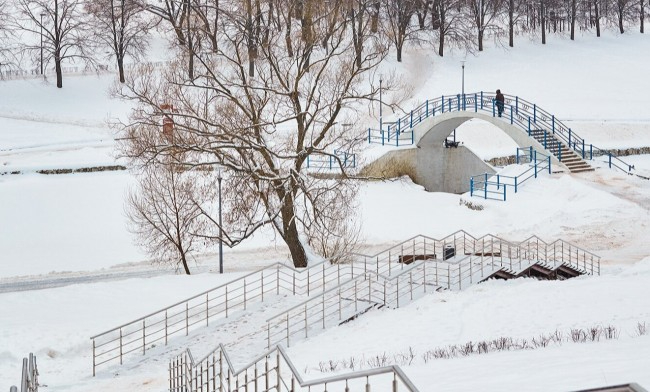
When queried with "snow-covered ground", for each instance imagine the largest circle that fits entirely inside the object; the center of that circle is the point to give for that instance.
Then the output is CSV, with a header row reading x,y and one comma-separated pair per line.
x,y
58,230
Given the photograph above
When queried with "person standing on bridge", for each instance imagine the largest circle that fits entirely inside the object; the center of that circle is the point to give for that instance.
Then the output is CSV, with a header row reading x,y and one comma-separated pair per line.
x,y
500,101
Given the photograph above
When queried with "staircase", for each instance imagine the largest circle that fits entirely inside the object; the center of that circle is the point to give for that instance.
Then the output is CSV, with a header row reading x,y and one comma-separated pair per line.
x,y
332,295
568,157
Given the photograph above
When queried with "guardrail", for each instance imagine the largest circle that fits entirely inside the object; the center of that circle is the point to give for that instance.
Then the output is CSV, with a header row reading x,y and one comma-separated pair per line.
x,y
328,284
481,258
517,111
272,371
29,376
338,160
222,301
483,184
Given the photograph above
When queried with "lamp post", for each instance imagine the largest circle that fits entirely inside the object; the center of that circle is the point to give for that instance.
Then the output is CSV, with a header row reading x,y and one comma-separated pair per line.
x,y
463,85
220,227
42,15
381,120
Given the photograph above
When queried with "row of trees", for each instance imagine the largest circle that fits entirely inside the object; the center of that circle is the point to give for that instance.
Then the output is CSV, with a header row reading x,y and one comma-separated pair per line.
x,y
55,31
257,89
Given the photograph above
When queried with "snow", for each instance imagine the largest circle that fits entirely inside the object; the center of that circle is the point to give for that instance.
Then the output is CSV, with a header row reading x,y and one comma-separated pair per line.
x,y
64,243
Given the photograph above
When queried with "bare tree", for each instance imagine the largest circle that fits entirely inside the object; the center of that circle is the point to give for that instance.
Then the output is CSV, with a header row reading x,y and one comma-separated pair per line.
x,y
64,27
122,26
174,12
485,14
641,15
398,22
452,25
165,216
623,11
8,51
262,129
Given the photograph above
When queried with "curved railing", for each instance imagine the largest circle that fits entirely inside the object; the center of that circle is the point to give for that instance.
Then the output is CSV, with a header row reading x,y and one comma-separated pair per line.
x,y
517,111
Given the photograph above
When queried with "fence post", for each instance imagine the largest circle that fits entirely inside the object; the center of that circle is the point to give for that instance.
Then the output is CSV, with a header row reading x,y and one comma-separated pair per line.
x,y
535,163
481,100
443,105
553,122
528,126
569,138
493,108
549,165
504,199
484,190
545,147
475,102
559,151
511,115
471,191
517,161
426,106
411,125
515,184
591,151
458,102
517,104
610,160
498,182
368,139
583,148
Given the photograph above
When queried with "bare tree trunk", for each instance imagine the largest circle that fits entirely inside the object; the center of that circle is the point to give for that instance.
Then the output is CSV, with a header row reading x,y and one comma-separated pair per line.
x,y
59,71
374,23
574,9
511,23
597,16
120,67
290,233
642,16
542,22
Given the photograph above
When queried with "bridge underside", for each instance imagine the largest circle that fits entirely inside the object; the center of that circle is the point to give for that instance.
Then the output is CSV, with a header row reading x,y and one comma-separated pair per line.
x,y
441,169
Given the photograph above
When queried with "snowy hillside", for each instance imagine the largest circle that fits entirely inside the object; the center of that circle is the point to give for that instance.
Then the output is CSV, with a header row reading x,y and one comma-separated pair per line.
x,y
70,269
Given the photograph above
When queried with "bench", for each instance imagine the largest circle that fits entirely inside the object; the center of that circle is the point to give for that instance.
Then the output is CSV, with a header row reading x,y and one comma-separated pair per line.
x,y
408,259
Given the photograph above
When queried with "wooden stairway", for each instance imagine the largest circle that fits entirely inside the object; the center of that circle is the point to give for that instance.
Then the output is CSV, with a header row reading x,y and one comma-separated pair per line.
x,y
570,159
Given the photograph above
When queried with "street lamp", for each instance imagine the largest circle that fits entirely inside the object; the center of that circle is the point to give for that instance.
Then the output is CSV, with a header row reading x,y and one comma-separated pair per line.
x,y
381,121
42,15
220,227
463,86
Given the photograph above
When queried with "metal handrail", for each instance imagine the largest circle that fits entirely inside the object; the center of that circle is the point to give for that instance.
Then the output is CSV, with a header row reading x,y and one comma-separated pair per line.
x,y
515,104
190,380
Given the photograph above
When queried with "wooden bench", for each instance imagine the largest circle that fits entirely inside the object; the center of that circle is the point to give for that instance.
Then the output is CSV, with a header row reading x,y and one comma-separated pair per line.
x,y
408,259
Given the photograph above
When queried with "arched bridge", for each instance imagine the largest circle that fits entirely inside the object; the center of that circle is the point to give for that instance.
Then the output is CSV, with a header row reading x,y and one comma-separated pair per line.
x,y
447,169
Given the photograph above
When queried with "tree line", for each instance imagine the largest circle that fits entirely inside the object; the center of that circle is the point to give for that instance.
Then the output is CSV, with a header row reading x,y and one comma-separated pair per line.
x,y
52,32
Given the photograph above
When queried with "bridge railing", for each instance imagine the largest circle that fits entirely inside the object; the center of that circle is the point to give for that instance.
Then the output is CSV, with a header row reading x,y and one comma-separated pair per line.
x,y
339,159
526,115
495,186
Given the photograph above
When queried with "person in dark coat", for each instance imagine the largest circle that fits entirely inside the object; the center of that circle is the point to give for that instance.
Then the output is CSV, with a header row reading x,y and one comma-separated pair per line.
x,y
500,101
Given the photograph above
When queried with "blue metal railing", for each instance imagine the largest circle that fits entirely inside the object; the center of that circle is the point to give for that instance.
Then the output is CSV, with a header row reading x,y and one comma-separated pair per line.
x,y
495,186
517,111
339,159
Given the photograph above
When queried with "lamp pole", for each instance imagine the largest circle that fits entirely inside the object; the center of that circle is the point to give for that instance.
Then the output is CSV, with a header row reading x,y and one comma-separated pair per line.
x,y
381,119
463,85
42,15
220,227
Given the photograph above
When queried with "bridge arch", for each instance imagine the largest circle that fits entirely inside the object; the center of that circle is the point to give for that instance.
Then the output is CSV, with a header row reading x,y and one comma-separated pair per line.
x,y
441,169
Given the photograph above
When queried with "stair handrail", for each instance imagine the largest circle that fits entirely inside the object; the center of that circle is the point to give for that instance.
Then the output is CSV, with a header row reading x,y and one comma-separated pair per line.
x,y
300,283
464,268
189,379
